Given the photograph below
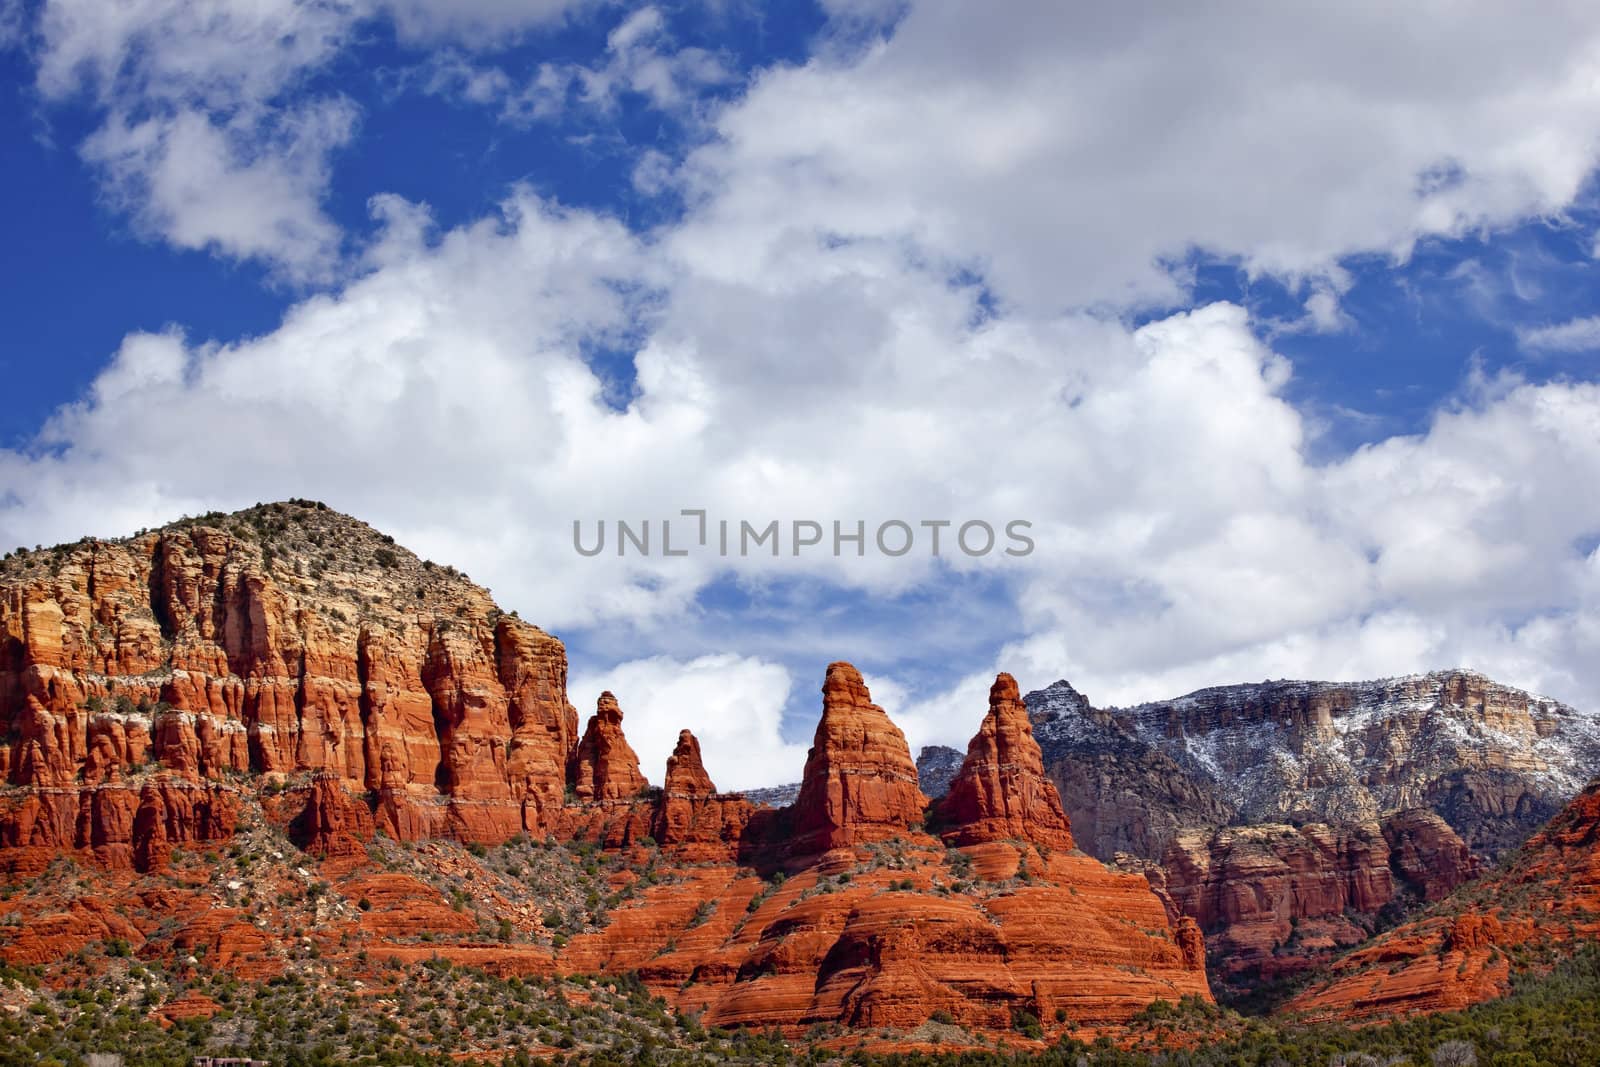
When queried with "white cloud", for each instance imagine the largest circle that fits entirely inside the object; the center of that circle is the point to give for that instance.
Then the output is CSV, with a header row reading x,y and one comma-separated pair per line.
x,y
225,54
485,23
1183,536
1066,154
241,190
1575,335
195,145
1323,313
13,23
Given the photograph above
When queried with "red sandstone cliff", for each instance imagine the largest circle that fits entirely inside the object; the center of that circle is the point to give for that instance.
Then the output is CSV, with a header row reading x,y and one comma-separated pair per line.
x,y
154,688
881,925
283,640
290,667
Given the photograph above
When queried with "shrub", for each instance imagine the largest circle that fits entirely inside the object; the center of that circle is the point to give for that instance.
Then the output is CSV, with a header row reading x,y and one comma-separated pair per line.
x,y
1455,1054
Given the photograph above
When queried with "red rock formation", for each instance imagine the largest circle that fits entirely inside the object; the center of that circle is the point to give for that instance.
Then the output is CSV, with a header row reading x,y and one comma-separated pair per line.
x,y
686,774
399,905
1001,790
190,1004
1468,948
605,767
609,823
173,812
860,783
865,943
883,934
690,815
51,935
544,726
1426,855
287,668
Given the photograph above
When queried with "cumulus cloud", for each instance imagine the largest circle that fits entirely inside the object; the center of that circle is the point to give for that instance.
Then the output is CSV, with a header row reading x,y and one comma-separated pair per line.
x,y
1071,155
1183,536
195,146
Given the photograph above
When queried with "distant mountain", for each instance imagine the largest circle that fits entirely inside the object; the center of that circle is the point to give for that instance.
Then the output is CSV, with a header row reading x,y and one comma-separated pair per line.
x,y
1293,820
936,768
1494,761
775,796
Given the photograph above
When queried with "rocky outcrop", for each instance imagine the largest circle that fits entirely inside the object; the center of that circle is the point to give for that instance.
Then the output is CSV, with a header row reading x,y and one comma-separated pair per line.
x,y
878,923
605,767
882,925
859,783
544,726
1274,899
1426,855
1542,905
147,684
125,825
686,772
1001,791
691,816
330,822
613,805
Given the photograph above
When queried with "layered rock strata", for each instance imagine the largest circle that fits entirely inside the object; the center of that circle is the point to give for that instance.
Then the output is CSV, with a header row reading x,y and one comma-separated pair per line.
x,y
1493,761
1293,819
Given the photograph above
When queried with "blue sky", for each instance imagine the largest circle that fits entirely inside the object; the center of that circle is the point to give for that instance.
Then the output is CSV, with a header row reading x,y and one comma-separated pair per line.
x,y
1277,330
